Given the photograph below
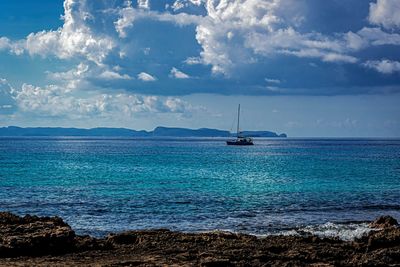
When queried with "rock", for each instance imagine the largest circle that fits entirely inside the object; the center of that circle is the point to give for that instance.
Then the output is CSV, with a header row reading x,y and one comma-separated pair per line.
x,y
384,222
52,242
387,237
31,235
212,262
122,238
87,243
8,218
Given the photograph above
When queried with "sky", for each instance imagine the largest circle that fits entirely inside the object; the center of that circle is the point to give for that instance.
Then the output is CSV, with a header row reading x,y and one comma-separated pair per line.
x,y
309,68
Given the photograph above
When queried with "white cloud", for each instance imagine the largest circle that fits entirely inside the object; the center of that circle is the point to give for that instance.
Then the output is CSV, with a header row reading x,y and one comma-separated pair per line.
x,y
234,31
71,79
375,36
180,4
231,33
75,73
77,78
7,100
145,4
4,43
288,41
146,51
176,105
355,41
126,19
177,74
112,75
55,101
16,48
238,18
275,81
193,61
383,66
128,15
49,101
323,55
385,13
143,76
74,38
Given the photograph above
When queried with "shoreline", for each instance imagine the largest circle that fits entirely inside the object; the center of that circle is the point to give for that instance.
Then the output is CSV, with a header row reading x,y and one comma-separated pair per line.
x,y
44,241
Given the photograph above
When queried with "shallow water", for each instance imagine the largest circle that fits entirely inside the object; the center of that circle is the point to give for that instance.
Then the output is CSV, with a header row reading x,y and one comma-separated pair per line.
x,y
104,185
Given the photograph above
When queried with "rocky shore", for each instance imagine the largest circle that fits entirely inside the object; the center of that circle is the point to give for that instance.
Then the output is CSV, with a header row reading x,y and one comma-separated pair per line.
x,y
49,241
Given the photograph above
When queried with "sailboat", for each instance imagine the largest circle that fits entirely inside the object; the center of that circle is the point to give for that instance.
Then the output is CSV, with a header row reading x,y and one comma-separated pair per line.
x,y
240,139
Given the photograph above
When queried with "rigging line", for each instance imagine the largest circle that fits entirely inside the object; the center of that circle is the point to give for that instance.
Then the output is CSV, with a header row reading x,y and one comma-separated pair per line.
x,y
232,125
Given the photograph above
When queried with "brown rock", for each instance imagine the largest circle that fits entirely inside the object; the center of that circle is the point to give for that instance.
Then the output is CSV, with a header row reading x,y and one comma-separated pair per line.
x,y
53,243
384,222
213,262
387,237
31,235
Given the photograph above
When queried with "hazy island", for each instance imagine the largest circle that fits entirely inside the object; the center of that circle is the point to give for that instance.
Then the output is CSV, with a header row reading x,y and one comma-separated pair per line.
x,y
123,132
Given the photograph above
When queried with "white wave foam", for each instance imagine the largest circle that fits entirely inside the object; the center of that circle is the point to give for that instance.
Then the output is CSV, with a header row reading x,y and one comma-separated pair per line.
x,y
346,232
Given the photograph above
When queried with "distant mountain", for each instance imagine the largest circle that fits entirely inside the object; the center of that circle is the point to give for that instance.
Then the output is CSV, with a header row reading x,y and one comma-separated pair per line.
x,y
263,134
157,132
183,132
47,131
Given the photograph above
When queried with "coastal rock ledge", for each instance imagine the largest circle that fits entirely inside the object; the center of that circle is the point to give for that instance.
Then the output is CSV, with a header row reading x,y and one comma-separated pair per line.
x,y
49,241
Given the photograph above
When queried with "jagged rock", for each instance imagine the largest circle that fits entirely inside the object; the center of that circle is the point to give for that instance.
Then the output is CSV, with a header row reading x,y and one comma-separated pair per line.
x,y
53,242
122,238
387,237
31,235
384,222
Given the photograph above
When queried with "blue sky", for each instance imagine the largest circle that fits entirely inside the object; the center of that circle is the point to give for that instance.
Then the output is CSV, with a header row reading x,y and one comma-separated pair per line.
x,y
304,67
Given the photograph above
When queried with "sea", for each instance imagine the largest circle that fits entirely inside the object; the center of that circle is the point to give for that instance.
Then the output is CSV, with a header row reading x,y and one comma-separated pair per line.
x,y
329,187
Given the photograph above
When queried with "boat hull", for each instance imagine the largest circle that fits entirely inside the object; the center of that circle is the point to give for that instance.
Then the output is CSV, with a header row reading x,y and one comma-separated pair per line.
x,y
239,143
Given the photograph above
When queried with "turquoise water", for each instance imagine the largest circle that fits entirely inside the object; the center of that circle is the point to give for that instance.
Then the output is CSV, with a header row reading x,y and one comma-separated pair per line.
x,y
105,185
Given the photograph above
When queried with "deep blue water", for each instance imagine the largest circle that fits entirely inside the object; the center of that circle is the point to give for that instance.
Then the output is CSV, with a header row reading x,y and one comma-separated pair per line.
x,y
104,185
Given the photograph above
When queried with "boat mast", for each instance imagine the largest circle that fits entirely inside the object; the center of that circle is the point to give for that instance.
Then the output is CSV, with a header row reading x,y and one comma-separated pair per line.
x,y
238,121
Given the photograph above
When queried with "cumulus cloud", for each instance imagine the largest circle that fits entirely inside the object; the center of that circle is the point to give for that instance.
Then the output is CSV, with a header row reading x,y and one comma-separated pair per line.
x,y
79,77
230,33
7,100
4,43
229,37
53,100
375,36
180,4
177,74
145,77
56,101
290,42
385,13
193,61
128,15
74,79
237,31
126,19
383,66
143,4
74,38
112,75
234,31
232,18
16,48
